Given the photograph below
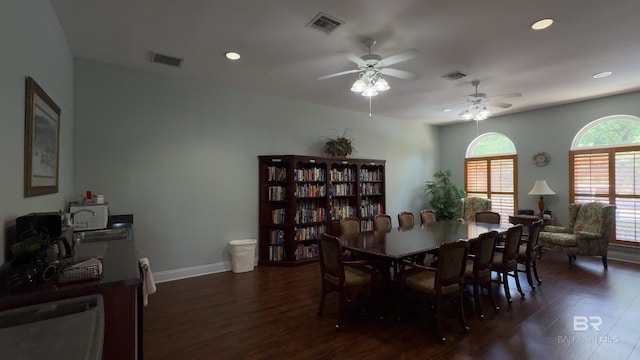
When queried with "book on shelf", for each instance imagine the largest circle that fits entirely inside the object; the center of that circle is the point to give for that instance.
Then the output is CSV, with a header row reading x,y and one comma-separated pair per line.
x,y
311,174
276,173
278,216
277,193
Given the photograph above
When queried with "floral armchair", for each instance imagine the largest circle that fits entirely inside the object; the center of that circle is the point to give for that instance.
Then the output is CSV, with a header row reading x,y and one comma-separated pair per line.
x,y
588,232
469,206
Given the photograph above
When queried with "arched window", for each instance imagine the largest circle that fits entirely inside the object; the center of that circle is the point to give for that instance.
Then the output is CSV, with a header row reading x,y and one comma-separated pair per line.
x,y
605,166
490,172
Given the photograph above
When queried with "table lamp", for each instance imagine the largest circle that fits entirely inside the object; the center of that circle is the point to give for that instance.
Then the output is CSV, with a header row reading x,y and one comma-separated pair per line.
x,y
541,188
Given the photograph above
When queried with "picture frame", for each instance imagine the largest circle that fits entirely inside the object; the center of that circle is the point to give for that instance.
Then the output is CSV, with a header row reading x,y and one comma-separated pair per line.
x,y
41,142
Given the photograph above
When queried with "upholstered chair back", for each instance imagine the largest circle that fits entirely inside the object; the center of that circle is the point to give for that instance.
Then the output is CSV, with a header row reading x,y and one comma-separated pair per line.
x,y
349,226
382,222
452,258
593,217
469,206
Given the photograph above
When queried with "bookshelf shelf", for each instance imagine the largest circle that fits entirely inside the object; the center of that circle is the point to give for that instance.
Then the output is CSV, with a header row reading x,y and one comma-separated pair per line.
x,y
302,197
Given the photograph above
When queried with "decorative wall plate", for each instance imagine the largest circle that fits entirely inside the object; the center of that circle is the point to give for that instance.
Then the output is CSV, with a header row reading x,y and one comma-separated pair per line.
x,y
541,158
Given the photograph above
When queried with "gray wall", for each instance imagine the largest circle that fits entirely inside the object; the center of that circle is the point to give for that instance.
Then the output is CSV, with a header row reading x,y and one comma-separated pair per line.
x,y
32,44
181,155
551,130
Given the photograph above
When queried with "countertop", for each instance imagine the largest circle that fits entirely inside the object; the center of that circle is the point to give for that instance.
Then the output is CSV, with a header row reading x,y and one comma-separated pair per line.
x,y
119,264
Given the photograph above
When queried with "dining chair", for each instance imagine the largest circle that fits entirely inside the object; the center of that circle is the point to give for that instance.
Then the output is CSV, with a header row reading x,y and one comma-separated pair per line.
x,y
487,216
427,217
350,279
528,252
349,226
405,220
478,269
504,261
382,223
436,284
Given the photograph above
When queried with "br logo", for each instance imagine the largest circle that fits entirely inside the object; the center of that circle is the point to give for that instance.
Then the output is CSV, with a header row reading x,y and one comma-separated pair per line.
x,y
583,323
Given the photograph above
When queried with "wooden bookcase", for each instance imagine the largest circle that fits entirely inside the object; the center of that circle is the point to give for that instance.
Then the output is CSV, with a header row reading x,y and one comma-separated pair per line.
x,y
302,197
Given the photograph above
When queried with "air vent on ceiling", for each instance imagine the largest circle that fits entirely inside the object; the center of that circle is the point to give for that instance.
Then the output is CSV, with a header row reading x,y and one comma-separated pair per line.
x,y
324,23
454,75
165,59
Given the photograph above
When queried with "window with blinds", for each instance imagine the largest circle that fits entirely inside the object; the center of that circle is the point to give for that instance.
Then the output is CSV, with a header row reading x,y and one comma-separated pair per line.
x,y
493,177
610,175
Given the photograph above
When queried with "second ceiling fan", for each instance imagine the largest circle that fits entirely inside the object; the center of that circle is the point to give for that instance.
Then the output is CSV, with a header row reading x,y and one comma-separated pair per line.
x,y
477,104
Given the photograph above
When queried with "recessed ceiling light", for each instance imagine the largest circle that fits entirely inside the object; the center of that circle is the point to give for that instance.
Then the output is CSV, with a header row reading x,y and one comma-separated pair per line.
x,y
446,110
232,55
542,24
601,75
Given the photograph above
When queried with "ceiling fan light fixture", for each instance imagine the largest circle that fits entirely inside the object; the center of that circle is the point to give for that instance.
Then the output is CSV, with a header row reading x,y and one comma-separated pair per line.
x,y
369,91
358,86
467,115
381,85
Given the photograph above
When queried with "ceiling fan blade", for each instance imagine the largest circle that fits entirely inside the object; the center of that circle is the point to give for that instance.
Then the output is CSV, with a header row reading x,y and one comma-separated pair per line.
x,y
452,106
499,104
398,73
339,74
506,96
403,56
351,57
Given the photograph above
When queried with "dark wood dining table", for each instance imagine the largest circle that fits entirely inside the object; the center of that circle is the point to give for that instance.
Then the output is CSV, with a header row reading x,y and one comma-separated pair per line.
x,y
399,244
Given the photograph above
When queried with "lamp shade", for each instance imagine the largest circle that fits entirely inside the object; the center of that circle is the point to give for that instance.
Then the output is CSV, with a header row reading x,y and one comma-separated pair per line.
x,y
541,188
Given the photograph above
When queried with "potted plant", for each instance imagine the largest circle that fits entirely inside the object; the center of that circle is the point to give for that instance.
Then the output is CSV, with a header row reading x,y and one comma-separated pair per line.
x,y
340,145
445,195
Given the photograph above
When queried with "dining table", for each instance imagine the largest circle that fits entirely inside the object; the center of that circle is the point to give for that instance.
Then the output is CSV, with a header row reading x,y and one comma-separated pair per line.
x,y
399,243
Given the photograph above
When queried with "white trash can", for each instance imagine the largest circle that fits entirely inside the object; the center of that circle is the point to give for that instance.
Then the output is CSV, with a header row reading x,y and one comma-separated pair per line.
x,y
242,254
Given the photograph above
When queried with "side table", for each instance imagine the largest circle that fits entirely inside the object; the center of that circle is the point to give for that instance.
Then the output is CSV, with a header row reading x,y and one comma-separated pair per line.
x,y
526,220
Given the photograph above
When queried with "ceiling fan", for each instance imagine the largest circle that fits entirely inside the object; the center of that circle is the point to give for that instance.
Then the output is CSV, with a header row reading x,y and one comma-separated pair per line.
x,y
372,66
478,102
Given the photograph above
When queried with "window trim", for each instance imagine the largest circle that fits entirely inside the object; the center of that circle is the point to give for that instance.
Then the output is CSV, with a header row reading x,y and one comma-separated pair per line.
x,y
611,197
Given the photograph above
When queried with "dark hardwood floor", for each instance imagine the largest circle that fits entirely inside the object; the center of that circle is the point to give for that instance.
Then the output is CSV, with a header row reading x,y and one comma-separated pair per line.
x,y
270,313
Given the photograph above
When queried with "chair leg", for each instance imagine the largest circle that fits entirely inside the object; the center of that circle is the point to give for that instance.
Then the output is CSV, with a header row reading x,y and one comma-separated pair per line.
x,y
572,260
496,308
476,300
515,275
505,284
439,319
463,319
322,297
528,271
535,272
343,300
604,261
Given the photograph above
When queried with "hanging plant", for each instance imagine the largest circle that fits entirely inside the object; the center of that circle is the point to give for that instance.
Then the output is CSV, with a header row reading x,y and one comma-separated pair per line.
x,y
340,145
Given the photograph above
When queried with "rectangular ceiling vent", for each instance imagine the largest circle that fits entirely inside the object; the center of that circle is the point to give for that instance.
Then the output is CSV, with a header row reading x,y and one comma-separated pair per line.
x,y
325,23
454,75
165,59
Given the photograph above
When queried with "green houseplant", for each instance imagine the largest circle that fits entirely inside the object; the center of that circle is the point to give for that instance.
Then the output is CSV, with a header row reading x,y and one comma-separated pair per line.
x,y
340,145
445,195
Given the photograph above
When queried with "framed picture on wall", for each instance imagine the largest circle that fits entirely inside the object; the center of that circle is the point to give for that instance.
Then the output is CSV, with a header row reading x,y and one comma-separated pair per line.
x,y
41,142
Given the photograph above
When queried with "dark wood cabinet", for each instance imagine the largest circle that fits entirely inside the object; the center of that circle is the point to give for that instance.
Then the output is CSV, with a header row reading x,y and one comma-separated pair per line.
x,y
302,197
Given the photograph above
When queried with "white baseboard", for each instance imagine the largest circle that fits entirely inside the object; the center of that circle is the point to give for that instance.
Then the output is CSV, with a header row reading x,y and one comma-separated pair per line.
x,y
192,271
616,252
624,253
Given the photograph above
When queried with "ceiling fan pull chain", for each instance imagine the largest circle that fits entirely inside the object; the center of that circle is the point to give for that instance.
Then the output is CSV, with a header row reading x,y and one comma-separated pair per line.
x,y
370,105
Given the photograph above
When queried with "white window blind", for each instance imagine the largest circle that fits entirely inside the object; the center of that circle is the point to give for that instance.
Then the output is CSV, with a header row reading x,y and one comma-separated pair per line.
x,y
493,178
610,175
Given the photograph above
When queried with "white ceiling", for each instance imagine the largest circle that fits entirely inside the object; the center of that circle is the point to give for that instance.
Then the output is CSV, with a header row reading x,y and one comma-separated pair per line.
x,y
490,40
